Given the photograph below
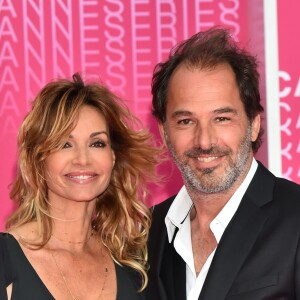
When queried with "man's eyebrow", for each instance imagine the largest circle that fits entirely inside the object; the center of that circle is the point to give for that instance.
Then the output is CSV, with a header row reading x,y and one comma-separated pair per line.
x,y
225,110
179,113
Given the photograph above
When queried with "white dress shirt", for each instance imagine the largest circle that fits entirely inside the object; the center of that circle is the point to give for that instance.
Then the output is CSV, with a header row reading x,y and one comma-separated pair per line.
x,y
178,216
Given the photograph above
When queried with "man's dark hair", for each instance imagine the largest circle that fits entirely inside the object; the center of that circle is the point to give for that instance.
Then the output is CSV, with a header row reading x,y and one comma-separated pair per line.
x,y
206,50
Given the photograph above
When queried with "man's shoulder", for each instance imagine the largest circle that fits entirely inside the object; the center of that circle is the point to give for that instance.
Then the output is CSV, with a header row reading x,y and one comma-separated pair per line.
x,y
281,184
286,186
266,185
159,212
163,207
158,226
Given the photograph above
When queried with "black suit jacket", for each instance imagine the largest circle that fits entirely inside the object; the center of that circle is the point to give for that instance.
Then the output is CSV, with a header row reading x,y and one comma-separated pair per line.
x,y
258,256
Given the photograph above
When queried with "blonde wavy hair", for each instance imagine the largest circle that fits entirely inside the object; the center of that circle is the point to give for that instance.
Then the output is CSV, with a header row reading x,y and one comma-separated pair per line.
x,y
121,218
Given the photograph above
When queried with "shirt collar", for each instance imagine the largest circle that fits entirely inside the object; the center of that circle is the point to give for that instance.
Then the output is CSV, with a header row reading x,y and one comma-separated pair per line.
x,y
182,204
228,211
178,212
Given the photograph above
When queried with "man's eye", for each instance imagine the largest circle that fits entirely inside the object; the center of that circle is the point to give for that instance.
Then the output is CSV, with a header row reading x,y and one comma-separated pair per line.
x,y
66,145
185,122
222,119
98,144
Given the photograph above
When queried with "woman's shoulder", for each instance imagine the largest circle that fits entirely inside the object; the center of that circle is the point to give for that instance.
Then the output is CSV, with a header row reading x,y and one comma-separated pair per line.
x,y
8,244
5,238
28,231
3,268
11,241
6,270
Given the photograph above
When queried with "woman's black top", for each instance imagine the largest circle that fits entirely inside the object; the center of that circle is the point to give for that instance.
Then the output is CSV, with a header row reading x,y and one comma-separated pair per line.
x,y
27,285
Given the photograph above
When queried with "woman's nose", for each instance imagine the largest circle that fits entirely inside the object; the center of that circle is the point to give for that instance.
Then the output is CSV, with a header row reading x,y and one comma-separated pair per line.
x,y
81,157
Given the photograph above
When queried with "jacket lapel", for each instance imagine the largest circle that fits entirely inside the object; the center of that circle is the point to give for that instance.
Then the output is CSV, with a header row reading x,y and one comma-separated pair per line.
x,y
167,269
173,273
239,237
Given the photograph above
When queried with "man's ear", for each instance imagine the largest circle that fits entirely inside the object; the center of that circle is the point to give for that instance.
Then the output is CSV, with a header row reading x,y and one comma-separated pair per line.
x,y
255,128
162,132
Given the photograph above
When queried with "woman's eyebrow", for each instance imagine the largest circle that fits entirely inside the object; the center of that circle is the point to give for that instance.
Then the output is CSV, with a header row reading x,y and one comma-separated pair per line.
x,y
93,134
98,133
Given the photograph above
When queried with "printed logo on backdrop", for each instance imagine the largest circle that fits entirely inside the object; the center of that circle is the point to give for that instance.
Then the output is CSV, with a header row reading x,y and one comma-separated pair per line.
x,y
9,67
139,35
289,81
290,123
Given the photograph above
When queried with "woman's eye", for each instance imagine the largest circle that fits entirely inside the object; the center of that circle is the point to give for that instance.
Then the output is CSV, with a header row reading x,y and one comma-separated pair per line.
x,y
66,145
98,144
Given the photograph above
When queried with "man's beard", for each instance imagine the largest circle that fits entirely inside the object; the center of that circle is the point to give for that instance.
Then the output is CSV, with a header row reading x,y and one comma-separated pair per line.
x,y
205,180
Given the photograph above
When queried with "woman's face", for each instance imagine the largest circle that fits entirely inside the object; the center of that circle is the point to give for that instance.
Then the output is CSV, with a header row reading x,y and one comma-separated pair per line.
x,y
81,170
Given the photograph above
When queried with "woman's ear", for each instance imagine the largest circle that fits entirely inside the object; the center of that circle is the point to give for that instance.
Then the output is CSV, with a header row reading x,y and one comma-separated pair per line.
x,y
114,158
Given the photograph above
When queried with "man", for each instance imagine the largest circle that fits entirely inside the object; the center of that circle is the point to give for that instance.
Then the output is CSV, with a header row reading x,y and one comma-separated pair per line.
x,y
232,231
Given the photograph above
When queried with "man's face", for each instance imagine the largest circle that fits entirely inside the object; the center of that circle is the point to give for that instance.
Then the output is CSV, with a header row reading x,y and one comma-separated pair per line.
x,y
207,130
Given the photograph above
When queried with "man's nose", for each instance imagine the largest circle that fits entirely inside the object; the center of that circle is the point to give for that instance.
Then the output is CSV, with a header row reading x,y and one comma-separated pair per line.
x,y
204,136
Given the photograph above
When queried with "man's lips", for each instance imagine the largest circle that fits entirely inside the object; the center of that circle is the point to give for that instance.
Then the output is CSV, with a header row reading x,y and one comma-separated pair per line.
x,y
207,159
207,154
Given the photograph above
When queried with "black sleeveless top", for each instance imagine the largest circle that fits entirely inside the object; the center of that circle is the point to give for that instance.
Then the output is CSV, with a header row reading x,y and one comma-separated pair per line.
x,y
27,285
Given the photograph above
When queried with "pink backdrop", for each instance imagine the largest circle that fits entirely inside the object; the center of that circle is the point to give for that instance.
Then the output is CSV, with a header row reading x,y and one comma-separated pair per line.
x,y
117,41
289,75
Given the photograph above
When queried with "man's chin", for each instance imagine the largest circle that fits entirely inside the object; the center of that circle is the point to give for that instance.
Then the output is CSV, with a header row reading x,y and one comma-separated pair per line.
x,y
207,171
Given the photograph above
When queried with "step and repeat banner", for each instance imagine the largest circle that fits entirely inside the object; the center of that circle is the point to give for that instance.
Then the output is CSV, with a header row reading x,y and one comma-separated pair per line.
x,y
289,86
119,42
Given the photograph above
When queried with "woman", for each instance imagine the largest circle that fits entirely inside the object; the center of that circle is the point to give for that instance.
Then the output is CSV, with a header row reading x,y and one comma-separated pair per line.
x,y
80,229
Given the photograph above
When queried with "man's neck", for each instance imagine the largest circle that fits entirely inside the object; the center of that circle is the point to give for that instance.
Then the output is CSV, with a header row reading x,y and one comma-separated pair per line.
x,y
208,206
